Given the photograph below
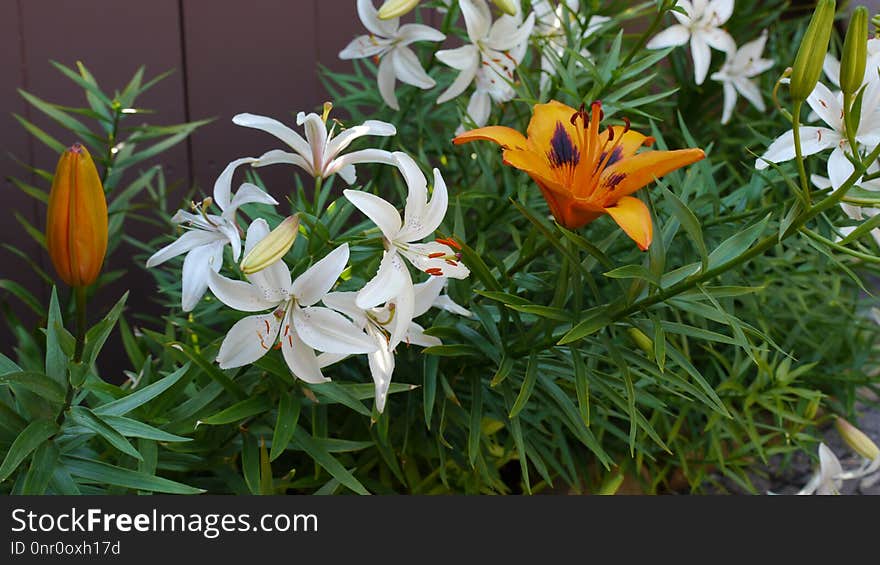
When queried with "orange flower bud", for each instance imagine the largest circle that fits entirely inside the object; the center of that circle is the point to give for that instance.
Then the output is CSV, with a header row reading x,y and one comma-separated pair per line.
x,y
76,222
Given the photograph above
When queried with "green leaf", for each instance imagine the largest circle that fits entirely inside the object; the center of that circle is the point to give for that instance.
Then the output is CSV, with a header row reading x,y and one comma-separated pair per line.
x,y
30,439
288,415
85,417
129,427
689,222
737,244
581,385
38,383
103,473
503,371
59,116
56,360
23,294
528,385
429,394
633,272
323,458
597,320
475,430
267,485
544,312
43,462
47,139
452,350
97,336
239,411
479,268
250,463
140,397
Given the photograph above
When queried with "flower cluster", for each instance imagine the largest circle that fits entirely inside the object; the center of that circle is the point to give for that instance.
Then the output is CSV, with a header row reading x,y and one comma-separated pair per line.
x,y
699,23
288,314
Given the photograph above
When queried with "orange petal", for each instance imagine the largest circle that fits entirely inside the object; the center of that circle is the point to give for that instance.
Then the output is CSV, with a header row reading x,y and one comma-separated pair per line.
x,y
506,137
546,117
533,163
634,218
628,175
630,143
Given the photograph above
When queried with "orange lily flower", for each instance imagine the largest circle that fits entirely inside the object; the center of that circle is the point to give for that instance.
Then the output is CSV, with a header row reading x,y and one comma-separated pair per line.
x,y
583,173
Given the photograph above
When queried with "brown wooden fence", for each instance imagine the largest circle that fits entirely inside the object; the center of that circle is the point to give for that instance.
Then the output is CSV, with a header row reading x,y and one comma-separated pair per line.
x,y
228,56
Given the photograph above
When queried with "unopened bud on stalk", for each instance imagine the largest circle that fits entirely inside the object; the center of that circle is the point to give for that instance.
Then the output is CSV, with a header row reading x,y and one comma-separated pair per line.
x,y
855,52
76,220
272,247
811,53
396,8
643,341
507,6
856,439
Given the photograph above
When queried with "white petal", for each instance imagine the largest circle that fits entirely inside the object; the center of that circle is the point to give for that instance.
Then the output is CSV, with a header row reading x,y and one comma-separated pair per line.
x,y
312,285
820,182
327,330
386,78
316,136
749,89
477,18
410,33
276,128
813,140
689,15
239,295
301,359
415,335
248,340
196,268
447,265
248,194
702,57
340,143
404,304
417,191
346,303
391,277
418,226
831,66
232,235
460,58
223,184
672,36
446,303
382,213
718,12
462,81
826,106
276,156
381,368
829,468
370,18
426,293
344,165
408,69
185,243
719,39
507,34
729,101
480,107
839,167
364,46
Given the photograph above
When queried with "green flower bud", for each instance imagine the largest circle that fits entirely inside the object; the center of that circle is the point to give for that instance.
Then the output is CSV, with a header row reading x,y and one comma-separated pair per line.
x,y
396,8
507,6
855,52
272,247
811,53
644,342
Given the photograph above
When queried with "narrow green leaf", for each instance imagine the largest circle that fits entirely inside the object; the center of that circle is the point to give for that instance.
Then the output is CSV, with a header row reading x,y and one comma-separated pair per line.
x,y
737,244
140,397
689,222
594,322
47,139
503,371
30,439
38,383
323,458
56,360
528,385
288,415
103,473
267,486
239,411
129,427
429,394
475,431
85,417
581,384
43,462
97,336
633,272
250,462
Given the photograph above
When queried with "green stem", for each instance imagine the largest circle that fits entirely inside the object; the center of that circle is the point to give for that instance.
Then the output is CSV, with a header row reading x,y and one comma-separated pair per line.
x,y
658,19
799,154
319,184
111,142
81,323
848,123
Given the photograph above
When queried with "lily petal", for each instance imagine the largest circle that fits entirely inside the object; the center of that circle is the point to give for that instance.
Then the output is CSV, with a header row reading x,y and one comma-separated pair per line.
x,y
381,364
388,282
507,138
415,335
327,330
364,46
410,33
248,193
369,16
273,282
672,36
386,78
312,285
248,340
223,184
813,140
408,68
344,164
477,18
701,55
301,359
443,263
239,295
340,143
198,264
381,212
276,128
634,218
277,156
185,243
629,175
469,59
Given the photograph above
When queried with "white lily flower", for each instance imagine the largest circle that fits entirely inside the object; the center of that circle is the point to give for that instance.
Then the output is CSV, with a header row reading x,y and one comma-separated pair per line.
x,y
550,26
737,75
295,324
829,107
827,479
319,154
381,323
701,25
209,234
853,211
388,42
491,57
393,283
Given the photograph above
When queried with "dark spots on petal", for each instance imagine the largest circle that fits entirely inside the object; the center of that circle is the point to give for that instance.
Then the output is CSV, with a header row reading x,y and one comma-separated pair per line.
x,y
563,151
614,180
616,156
